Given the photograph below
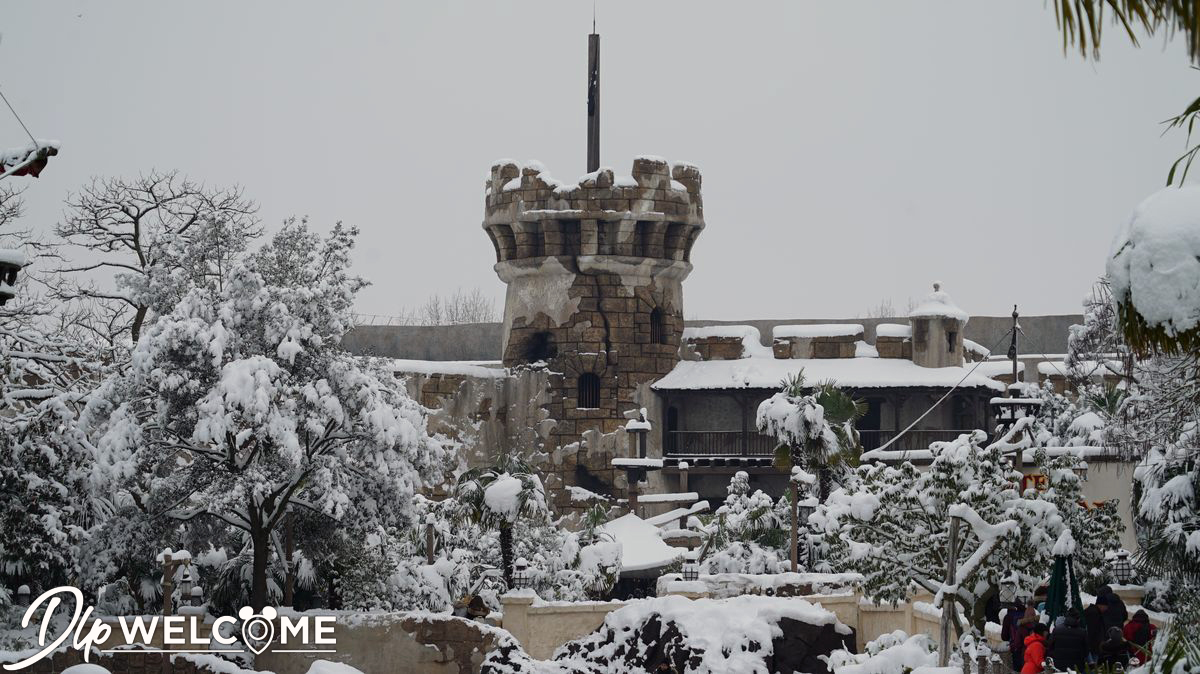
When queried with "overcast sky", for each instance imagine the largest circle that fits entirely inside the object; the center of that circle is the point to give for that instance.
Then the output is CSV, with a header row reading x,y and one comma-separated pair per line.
x,y
851,151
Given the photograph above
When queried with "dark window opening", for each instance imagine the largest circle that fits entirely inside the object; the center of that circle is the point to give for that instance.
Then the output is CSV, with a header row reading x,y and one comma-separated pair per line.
x,y
589,390
658,327
539,346
951,338
570,237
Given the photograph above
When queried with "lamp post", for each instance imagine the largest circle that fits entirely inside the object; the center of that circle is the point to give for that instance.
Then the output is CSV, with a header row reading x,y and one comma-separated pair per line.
x,y
1121,568
804,509
520,574
11,262
1081,469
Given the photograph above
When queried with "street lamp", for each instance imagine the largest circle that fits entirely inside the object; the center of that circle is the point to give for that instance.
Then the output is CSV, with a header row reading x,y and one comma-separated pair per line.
x,y
1121,568
1081,469
11,262
691,568
520,574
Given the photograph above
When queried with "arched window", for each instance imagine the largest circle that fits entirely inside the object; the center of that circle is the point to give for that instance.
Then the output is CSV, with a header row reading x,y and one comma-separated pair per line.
x,y
658,328
539,346
589,390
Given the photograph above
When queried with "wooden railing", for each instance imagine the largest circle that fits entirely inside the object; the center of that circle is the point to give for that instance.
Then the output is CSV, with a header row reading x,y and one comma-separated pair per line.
x,y
718,443
916,439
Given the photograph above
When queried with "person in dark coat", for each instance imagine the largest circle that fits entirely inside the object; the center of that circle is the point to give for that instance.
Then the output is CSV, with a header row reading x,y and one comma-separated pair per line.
x,y
1112,606
1018,624
1067,644
1114,650
1093,621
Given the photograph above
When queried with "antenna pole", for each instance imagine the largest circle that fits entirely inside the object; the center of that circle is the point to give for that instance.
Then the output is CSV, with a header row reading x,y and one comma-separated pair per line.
x,y
593,106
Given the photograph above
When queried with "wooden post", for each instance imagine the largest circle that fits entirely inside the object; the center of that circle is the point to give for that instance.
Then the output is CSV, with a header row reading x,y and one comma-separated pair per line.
x,y
289,549
948,614
795,490
168,583
593,104
429,540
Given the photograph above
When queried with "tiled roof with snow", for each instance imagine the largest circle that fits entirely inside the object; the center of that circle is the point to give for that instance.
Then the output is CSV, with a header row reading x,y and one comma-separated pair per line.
x,y
767,373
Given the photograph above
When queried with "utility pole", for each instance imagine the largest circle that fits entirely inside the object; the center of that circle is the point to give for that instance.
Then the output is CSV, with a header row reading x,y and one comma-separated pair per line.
x,y
948,613
593,100
1012,350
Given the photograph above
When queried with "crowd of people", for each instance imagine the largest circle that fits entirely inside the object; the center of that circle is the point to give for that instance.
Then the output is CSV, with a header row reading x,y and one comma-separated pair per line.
x,y
1102,636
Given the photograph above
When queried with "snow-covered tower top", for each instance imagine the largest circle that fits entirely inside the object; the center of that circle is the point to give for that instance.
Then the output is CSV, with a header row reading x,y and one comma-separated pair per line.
x,y
937,330
656,213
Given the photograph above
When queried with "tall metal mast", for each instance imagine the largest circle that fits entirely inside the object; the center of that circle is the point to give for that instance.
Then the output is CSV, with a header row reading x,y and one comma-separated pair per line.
x,y
593,104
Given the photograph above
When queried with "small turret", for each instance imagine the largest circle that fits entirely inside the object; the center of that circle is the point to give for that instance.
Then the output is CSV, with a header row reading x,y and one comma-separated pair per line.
x,y
937,331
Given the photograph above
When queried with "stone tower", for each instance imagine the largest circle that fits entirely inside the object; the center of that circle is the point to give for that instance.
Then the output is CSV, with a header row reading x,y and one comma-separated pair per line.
x,y
937,331
594,273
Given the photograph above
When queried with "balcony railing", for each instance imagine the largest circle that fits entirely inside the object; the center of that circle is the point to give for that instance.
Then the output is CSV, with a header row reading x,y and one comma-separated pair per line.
x,y
719,443
735,443
916,439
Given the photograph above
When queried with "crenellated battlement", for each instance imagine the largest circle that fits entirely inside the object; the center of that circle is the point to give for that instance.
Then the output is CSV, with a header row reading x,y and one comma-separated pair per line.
x,y
657,212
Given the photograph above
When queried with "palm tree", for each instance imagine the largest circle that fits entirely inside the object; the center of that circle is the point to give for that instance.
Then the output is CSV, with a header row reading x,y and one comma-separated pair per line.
x,y
815,430
497,496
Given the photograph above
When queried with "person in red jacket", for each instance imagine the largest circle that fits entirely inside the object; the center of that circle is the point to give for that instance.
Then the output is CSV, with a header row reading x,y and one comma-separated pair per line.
x,y
1035,650
1139,632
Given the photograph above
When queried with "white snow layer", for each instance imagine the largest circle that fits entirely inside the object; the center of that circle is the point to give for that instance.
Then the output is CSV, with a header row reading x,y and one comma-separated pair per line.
x,y
327,667
480,369
938,304
642,547
893,330
817,330
1155,259
767,372
12,257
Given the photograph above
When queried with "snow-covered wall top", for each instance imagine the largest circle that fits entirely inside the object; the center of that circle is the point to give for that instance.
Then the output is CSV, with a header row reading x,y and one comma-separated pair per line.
x,y
1154,262
893,330
813,330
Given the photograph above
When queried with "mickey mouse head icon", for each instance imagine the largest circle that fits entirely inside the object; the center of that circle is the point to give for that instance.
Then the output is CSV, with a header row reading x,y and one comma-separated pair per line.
x,y
258,630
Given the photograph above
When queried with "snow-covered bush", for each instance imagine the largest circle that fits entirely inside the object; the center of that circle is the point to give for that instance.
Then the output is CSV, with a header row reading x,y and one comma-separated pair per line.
x,y
893,653
746,534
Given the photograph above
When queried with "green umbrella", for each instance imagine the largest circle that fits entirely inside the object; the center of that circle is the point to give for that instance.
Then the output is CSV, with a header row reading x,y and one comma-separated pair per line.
x,y
1063,588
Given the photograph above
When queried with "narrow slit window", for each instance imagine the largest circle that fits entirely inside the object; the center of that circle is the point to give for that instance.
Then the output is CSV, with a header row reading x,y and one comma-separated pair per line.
x,y
951,338
589,390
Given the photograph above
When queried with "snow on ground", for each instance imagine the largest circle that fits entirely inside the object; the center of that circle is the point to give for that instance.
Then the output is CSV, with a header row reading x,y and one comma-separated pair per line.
x,y
1155,259
895,653
642,547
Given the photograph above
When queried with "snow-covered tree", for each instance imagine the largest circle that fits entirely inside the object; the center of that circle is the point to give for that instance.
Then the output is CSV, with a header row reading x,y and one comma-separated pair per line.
x,y
815,429
893,526
1095,531
1154,270
159,234
239,404
499,495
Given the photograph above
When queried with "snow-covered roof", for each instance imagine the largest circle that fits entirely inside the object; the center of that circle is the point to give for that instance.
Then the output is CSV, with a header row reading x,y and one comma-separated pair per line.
x,y
767,373
1155,259
938,304
481,369
818,330
12,257
642,547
